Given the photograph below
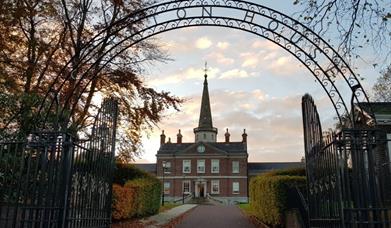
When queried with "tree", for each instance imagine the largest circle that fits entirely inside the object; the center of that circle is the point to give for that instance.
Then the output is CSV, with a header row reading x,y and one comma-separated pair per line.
x,y
57,56
382,87
356,23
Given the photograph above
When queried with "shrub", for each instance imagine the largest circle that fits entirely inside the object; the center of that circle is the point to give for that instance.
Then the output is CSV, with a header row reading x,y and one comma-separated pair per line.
x,y
125,172
287,172
271,194
123,202
135,193
147,194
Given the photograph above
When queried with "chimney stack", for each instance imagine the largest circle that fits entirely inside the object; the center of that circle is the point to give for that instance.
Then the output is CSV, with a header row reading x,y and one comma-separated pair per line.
x,y
162,138
179,137
244,136
227,136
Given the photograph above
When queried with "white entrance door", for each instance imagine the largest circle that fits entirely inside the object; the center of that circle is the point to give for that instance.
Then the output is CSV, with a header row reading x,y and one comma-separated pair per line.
x,y
201,189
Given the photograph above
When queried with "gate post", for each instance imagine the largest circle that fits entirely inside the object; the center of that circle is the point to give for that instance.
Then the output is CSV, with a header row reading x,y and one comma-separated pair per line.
x,y
65,179
114,112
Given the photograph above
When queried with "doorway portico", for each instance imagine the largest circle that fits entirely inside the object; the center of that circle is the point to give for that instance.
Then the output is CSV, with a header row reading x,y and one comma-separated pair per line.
x,y
200,188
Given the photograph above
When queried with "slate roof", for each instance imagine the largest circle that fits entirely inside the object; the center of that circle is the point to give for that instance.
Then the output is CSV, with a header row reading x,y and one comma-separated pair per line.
x,y
255,168
382,111
231,147
378,107
147,167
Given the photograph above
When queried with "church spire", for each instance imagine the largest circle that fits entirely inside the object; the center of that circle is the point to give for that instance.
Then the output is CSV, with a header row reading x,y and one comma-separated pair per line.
x,y
205,120
205,130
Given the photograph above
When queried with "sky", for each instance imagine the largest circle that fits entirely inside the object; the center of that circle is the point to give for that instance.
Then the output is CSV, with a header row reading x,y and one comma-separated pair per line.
x,y
253,85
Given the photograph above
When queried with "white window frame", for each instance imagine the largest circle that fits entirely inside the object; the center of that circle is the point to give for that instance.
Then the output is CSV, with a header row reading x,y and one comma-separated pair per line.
x,y
183,187
198,166
234,185
168,167
235,168
166,187
217,183
184,166
213,165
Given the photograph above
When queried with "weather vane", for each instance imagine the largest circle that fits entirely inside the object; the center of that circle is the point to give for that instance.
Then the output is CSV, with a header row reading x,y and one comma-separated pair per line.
x,y
206,68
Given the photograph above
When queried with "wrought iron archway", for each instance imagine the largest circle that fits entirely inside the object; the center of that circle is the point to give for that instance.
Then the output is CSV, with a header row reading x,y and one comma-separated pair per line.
x,y
317,55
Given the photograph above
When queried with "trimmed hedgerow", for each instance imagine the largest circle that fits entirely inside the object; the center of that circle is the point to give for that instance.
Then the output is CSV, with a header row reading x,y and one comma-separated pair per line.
x,y
126,172
123,202
271,194
287,172
147,195
135,193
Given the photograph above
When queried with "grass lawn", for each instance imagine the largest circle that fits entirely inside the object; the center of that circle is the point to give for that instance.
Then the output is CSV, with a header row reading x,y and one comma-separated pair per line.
x,y
245,207
168,206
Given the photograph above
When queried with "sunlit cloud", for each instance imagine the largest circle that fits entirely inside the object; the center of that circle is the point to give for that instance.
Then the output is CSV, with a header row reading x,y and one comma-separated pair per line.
x,y
266,55
223,45
268,121
234,73
221,58
249,60
184,75
203,43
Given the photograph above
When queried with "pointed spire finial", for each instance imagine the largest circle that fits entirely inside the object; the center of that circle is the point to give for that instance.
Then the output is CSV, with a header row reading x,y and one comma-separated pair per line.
x,y
206,69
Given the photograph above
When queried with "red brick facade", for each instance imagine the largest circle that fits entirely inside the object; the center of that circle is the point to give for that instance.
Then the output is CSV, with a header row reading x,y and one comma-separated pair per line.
x,y
229,184
225,176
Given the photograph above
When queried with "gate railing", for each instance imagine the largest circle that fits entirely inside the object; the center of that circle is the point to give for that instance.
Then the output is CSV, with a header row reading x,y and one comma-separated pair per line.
x,y
51,179
347,180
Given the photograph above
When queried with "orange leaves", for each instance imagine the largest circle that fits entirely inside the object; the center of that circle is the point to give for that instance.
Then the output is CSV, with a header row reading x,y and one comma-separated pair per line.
x,y
123,202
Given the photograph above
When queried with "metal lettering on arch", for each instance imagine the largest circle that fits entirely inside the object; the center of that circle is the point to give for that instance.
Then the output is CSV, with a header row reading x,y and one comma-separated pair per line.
x,y
325,64
319,57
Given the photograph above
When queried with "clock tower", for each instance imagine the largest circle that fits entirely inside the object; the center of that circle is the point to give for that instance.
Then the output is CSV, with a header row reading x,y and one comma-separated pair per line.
x,y
205,132
204,167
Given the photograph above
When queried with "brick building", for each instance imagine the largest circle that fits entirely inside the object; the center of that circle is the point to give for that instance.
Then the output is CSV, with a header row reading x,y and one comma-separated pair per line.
x,y
205,167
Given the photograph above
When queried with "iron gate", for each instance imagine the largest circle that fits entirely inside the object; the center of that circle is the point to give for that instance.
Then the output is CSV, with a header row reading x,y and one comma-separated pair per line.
x,y
52,179
345,176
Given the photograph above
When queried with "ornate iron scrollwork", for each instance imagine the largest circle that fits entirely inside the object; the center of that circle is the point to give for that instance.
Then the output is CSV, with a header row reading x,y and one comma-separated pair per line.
x,y
319,57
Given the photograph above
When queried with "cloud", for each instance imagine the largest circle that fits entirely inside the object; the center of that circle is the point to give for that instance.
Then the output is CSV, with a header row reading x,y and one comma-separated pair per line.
x,y
183,75
273,124
223,45
250,60
221,58
266,55
203,43
234,73
264,44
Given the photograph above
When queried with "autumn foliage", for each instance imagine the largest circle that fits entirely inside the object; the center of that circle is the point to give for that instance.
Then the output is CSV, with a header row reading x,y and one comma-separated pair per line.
x,y
138,197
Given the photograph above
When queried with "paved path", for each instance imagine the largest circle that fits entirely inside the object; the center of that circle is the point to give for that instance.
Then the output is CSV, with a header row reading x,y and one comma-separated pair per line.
x,y
215,216
165,217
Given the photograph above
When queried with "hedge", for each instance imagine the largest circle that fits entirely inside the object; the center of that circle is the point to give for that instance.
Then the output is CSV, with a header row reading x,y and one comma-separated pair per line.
x,y
287,172
137,197
271,194
126,172
147,195
123,201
